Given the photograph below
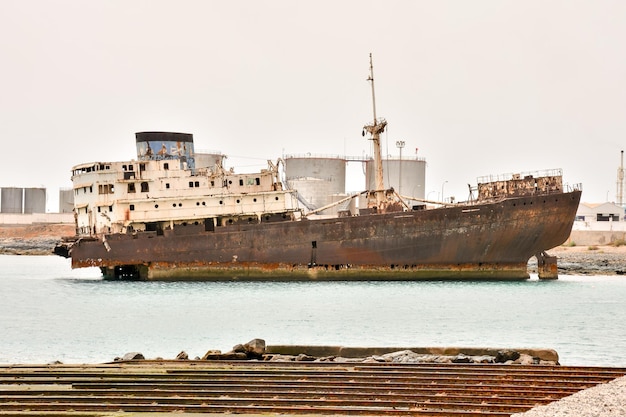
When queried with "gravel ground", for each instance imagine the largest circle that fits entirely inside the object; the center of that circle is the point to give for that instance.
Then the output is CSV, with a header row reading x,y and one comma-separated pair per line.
x,y
604,400
590,260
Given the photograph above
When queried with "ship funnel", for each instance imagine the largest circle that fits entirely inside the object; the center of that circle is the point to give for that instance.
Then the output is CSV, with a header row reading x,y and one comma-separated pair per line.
x,y
156,146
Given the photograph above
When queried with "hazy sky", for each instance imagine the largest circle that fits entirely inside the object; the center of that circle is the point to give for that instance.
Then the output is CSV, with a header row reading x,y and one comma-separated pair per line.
x,y
480,87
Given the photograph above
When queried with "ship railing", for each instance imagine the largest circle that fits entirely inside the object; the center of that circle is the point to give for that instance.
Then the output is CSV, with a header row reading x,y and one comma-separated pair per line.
x,y
573,187
519,175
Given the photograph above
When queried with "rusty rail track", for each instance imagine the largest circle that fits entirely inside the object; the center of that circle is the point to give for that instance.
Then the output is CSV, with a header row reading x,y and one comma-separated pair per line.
x,y
313,388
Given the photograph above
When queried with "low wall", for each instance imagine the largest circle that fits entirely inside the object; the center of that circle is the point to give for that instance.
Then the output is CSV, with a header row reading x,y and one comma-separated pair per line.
x,y
592,237
34,218
361,352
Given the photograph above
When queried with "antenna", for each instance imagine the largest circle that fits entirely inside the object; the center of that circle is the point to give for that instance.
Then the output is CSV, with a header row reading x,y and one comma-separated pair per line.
x,y
620,182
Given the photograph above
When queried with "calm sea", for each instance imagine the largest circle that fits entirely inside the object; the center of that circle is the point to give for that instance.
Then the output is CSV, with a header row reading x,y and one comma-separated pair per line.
x,y
50,312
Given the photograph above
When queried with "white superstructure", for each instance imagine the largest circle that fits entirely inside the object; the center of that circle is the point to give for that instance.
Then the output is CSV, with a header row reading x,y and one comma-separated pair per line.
x,y
154,194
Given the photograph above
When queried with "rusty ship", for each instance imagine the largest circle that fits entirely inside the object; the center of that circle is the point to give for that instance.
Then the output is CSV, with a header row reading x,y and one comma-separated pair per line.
x,y
165,217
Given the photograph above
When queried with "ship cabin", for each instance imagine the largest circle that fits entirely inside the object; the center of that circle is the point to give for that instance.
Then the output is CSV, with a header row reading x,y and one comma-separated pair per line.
x,y
519,185
156,194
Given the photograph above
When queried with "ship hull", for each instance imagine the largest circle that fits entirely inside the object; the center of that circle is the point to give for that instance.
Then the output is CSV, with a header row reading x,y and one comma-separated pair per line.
x,y
480,241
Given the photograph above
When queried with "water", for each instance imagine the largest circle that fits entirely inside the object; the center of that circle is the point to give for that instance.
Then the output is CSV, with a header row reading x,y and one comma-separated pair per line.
x,y
50,312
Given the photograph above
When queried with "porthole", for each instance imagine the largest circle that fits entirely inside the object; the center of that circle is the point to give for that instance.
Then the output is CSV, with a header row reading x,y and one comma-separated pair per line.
x,y
203,203
156,206
221,202
180,204
174,205
197,203
238,201
254,199
276,198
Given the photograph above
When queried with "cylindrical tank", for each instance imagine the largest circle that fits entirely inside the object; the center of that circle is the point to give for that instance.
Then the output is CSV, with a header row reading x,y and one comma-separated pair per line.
x,y
34,200
406,176
316,178
165,145
11,199
66,200
208,159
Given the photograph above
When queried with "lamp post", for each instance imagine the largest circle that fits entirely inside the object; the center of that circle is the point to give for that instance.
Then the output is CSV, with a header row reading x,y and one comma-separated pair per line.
x,y
400,145
442,197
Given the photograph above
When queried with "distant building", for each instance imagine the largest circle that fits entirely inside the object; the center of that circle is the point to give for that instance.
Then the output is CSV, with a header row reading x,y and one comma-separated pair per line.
x,y
600,216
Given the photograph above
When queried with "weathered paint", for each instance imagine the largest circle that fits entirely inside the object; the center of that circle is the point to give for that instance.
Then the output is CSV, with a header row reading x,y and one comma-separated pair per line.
x,y
488,240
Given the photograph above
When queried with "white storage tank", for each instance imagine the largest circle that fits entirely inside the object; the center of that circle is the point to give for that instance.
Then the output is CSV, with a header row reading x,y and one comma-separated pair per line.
x,y
208,159
316,178
407,176
66,200
11,199
34,200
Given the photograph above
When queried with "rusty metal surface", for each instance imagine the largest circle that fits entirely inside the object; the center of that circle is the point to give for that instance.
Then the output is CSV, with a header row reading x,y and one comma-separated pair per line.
x,y
313,388
490,240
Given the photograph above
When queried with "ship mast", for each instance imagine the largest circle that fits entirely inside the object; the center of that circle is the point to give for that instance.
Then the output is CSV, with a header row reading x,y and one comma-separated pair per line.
x,y
375,128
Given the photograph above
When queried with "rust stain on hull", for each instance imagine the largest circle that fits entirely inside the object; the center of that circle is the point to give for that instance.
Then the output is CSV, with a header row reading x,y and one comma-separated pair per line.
x,y
494,240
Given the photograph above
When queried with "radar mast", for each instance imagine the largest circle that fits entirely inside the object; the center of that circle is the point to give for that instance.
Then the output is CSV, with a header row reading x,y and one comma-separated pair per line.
x,y
375,128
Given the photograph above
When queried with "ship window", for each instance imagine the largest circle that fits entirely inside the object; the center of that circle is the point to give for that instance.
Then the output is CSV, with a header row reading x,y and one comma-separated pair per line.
x,y
130,167
230,181
197,183
241,182
197,203
104,189
124,167
166,166
132,207
212,183
98,209
110,209
91,189
203,203
258,181
156,206
190,184
221,202
180,204
144,187
142,167
174,205
254,199
276,198
238,201
131,187
167,185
